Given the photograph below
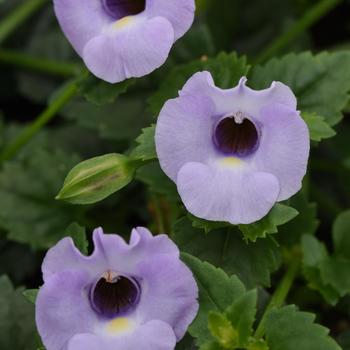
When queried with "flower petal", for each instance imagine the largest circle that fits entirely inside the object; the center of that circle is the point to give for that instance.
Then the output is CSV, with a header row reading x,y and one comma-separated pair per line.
x,y
169,293
111,252
240,98
132,51
81,20
65,256
63,309
184,133
154,335
180,13
284,147
143,246
239,196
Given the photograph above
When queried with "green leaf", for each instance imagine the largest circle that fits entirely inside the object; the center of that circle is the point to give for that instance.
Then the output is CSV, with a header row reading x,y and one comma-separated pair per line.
x,y
118,121
206,225
31,294
280,214
314,253
146,149
95,179
100,92
216,292
335,271
226,69
329,274
28,210
78,234
321,83
318,128
305,223
252,263
221,328
242,316
289,329
341,234
17,320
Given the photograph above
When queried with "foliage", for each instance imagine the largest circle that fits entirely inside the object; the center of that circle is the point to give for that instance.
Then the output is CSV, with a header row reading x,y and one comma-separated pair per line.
x,y
27,189
231,322
321,82
329,274
225,248
96,164
17,324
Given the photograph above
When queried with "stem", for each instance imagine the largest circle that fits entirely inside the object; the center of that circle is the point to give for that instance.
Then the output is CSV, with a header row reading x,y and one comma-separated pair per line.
x,y
280,294
29,131
158,214
41,65
311,16
19,16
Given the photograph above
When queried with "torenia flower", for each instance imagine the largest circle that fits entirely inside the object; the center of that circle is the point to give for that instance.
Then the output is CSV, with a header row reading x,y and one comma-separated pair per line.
x,y
119,39
232,153
124,296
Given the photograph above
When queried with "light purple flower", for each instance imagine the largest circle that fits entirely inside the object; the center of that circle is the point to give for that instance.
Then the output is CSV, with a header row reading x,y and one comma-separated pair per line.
x,y
119,39
124,296
232,153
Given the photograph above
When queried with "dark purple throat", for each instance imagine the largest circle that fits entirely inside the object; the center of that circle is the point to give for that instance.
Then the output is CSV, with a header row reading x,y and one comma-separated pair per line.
x,y
123,8
111,298
236,139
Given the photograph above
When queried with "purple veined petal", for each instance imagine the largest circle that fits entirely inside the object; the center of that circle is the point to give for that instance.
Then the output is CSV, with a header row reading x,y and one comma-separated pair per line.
x,y
169,291
240,98
154,335
284,147
81,20
142,246
180,13
111,253
184,133
63,309
233,194
65,256
133,48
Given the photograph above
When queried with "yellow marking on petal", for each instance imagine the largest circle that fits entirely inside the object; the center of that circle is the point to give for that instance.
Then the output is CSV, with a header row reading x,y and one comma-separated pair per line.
x,y
231,161
118,325
123,22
